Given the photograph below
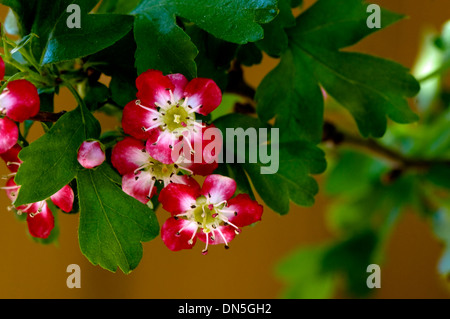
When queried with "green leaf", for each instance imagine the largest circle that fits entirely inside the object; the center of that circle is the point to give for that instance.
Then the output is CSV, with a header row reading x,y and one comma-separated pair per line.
x,y
275,39
117,61
288,178
215,55
117,6
112,224
371,88
94,35
51,161
164,45
290,94
96,93
235,21
41,16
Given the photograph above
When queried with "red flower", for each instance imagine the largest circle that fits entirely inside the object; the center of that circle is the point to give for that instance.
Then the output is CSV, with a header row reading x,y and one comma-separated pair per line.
x,y
165,110
40,218
140,171
20,100
9,134
91,154
211,210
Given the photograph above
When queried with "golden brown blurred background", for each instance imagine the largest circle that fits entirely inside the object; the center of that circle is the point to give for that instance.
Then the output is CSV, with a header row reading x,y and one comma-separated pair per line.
x,y
31,270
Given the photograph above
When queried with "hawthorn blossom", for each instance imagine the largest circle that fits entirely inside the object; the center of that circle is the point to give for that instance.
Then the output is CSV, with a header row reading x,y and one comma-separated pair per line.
x,y
165,111
20,100
91,154
40,218
140,172
208,213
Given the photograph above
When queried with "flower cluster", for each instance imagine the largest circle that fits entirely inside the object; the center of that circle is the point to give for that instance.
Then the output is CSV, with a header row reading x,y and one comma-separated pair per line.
x,y
19,101
161,153
163,150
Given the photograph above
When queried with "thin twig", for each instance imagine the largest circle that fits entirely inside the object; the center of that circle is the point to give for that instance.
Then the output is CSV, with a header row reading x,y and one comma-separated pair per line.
x,y
47,116
399,160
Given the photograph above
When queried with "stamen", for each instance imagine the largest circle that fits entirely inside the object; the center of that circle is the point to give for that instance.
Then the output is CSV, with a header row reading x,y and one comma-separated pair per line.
x,y
223,237
191,241
9,187
150,110
172,98
185,169
195,109
157,124
221,203
189,144
185,102
12,163
41,206
8,176
205,251
151,188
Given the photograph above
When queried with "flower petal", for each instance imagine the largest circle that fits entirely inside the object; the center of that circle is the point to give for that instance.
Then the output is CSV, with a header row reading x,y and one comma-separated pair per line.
x,y
179,81
138,185
64,198
91,154
12,190
9,133
248,211
11,158
204,92
128,155
207,144
218,188
178,198
187,180
176,234
20,99
134,118
227,232
41,224
153,87
161,147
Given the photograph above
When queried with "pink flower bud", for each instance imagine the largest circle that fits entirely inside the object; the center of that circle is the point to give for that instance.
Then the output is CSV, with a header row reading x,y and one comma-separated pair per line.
x,y
91,154
9,133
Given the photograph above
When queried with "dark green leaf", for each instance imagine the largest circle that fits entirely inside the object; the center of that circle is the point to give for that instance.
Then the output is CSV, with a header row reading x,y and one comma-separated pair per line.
x,y
117,6
275,39
288,178
290,94
162,44
371,88
95,34
112,224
